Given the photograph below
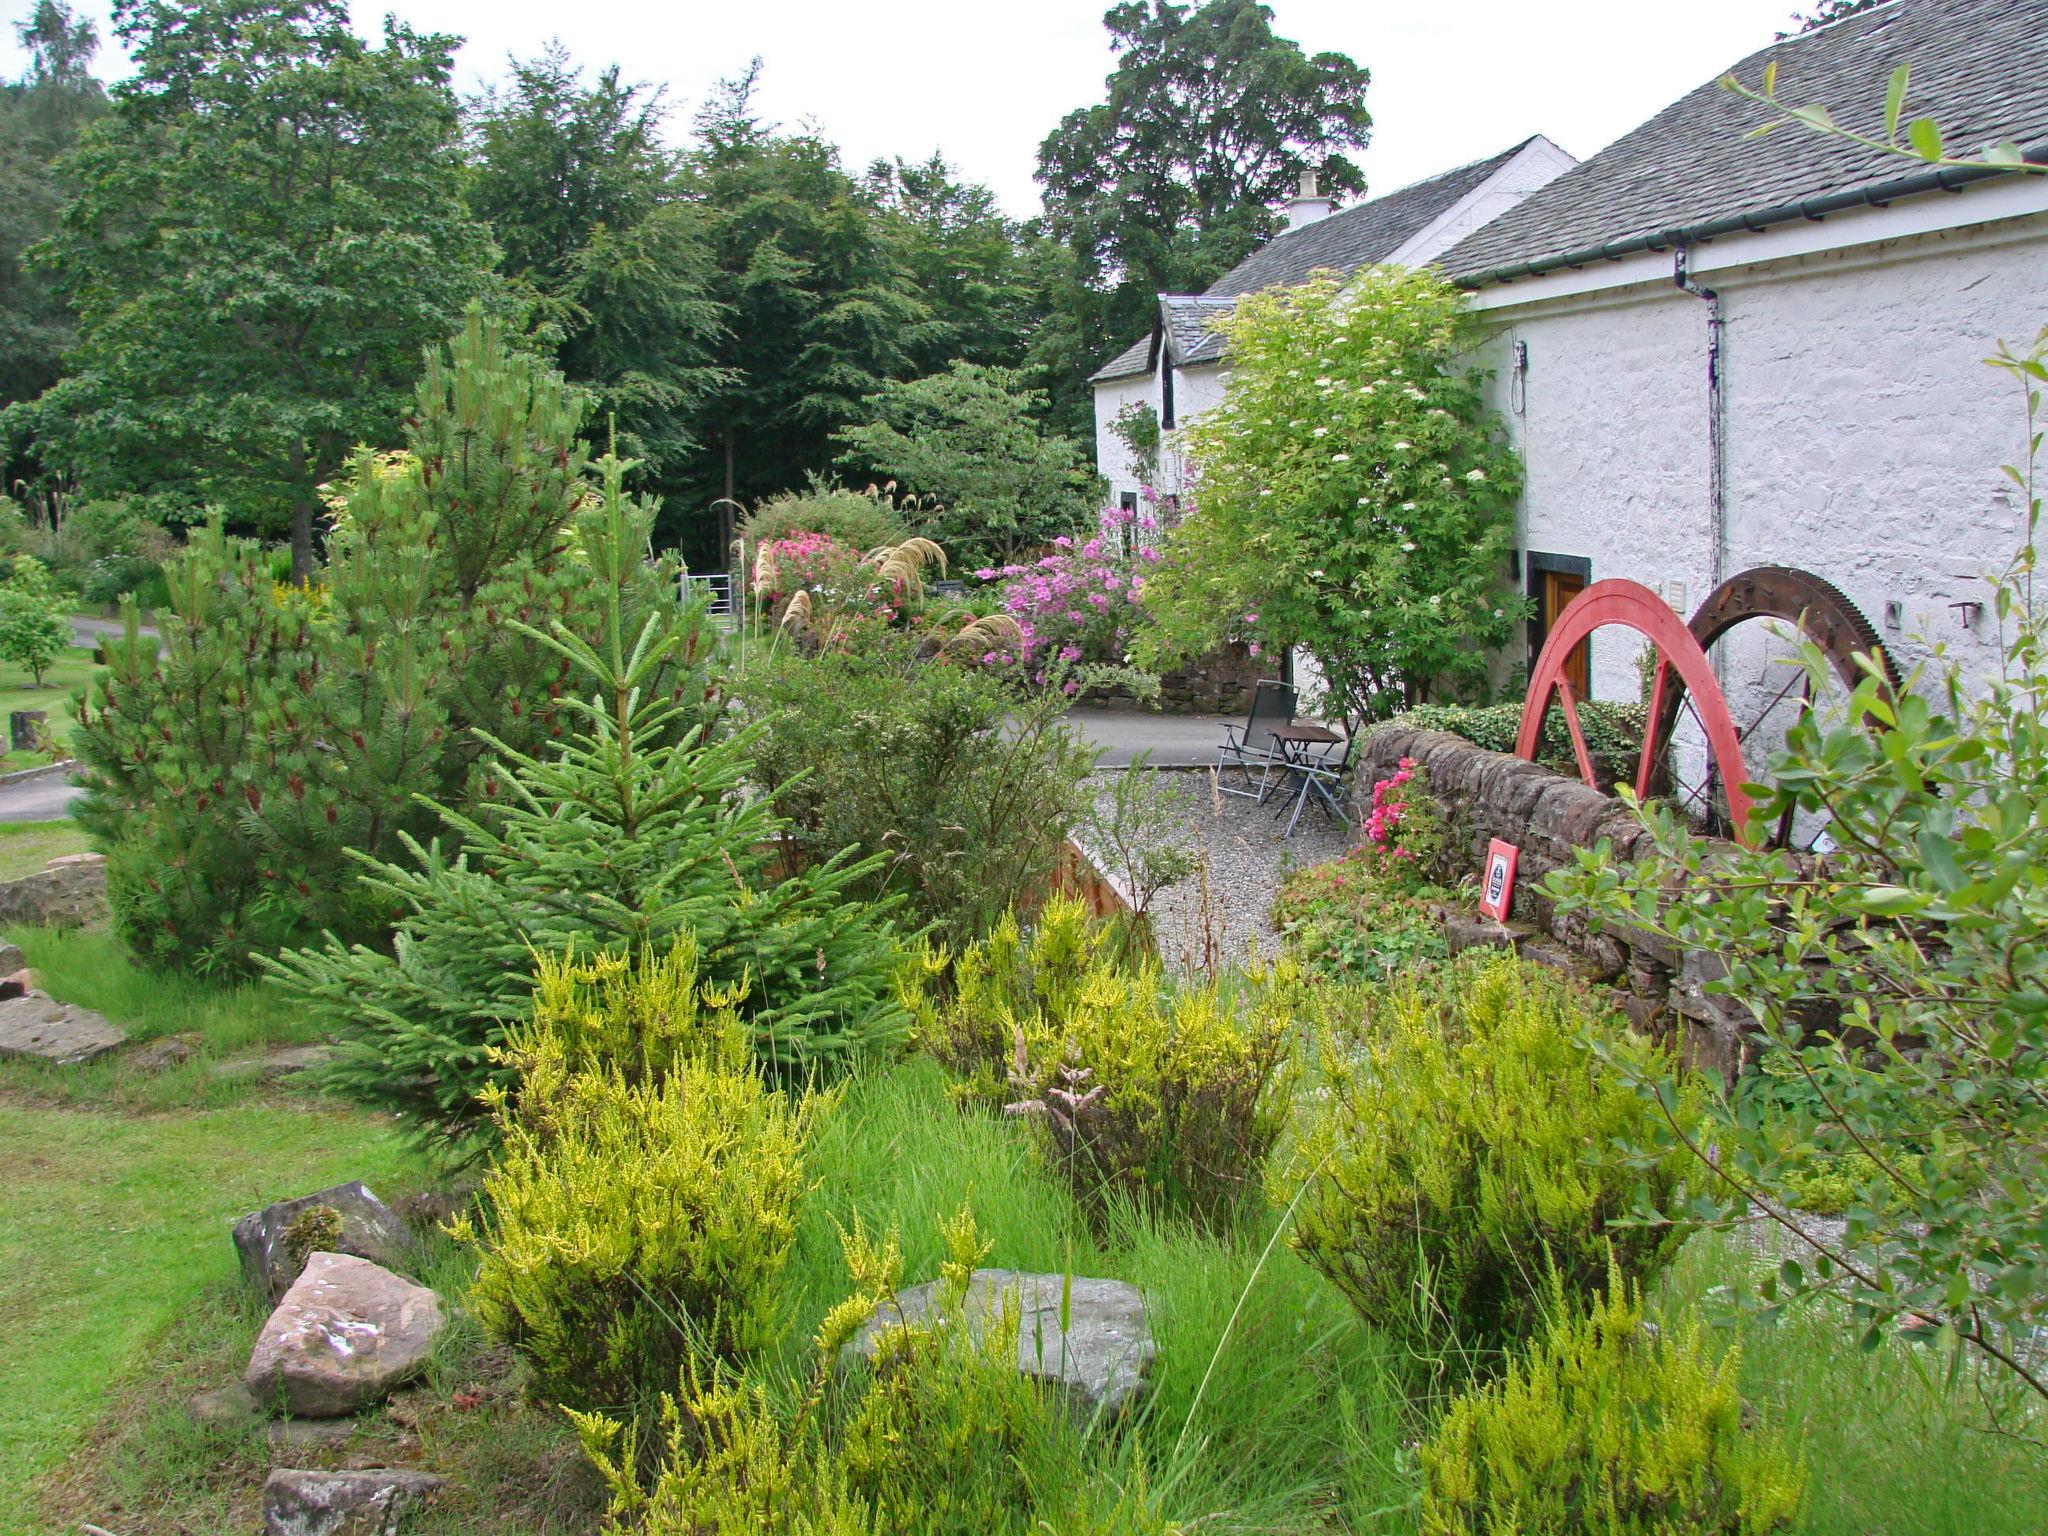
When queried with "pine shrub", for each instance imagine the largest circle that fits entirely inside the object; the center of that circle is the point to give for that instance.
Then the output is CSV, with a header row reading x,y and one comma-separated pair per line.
x,y
634,830
1173,1094
232,772
941,1436
1608,1428
1464,1149
644,1201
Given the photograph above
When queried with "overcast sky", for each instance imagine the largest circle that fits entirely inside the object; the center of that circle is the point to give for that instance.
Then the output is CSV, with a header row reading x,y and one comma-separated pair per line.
x,y
984,83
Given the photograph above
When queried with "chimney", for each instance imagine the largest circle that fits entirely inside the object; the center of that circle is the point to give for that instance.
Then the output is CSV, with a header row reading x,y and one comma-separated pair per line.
x,y
1308,205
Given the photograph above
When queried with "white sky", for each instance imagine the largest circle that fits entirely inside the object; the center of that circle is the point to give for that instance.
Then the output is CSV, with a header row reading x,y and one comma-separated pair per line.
x,y
984,83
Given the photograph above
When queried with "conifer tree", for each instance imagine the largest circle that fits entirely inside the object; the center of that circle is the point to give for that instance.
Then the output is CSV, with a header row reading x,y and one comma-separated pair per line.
x,y
281,727
636,832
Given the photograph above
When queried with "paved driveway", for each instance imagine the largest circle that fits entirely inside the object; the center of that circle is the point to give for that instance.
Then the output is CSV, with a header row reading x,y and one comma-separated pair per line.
x,y
1175,741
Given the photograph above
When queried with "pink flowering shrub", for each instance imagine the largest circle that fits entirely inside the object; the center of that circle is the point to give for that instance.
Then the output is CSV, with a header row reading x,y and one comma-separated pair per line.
x,y
843,590
1404,836
1080,603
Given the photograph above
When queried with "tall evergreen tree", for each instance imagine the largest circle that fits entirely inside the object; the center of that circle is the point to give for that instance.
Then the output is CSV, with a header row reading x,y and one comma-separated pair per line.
x,y
819,309
41,116
583,199
1208,120
268,228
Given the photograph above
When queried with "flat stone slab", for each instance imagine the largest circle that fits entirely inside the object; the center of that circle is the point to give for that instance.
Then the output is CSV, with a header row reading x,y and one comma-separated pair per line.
x,y
1102,1359
40,1027
367,1503
346,1333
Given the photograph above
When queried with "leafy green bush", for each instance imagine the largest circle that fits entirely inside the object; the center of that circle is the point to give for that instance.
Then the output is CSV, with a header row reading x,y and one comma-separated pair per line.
x,y
35,618
1171,1094
961,791
1464,1149
861,520
619,840
943,1436
644,1200
232,771
1346,921
1608,1428
1614,731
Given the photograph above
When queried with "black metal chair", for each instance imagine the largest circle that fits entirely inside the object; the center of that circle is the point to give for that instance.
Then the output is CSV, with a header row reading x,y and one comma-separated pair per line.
x,y
1251,745
1327,781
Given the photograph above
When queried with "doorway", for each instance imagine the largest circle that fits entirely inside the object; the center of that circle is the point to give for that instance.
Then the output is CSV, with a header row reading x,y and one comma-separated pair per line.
x,y
1554,580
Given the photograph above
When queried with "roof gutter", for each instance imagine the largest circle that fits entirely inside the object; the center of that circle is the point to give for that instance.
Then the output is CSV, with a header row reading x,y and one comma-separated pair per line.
x,y
1875,195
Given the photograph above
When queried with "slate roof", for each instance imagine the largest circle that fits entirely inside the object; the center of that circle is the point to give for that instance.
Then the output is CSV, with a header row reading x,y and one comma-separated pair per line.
x,y
1980,67
1343,242
1357,236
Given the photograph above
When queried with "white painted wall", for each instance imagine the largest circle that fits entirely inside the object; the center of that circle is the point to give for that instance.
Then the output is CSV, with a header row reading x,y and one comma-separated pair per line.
x,y
1112,458
1863,432
1538,163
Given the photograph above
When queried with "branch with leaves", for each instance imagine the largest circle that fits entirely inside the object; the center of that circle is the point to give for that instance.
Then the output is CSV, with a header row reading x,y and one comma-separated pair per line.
x,y
1918,139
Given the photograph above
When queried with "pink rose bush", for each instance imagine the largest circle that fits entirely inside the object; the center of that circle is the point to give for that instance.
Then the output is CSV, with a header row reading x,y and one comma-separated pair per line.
x,y
1403,834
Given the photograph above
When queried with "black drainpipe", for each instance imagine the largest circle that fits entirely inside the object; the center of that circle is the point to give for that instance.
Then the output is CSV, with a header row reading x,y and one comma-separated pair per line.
x,y
1716,445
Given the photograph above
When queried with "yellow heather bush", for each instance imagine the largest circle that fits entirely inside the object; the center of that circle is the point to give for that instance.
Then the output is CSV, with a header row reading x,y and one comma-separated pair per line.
x,y
941,1436
1171,1093
645,1201
1608,1428
1464,1148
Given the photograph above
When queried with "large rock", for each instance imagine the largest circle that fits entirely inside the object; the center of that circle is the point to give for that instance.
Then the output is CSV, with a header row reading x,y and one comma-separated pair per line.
x,y
1100,1362
346,1333
39,1026
369,1503
65,893
369,1230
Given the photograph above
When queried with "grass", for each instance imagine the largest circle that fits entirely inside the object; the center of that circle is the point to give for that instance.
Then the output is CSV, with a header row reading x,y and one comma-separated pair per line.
x,y
68,674
26,846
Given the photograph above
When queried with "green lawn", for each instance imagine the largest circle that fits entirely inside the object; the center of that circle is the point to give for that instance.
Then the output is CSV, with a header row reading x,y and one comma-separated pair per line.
x,y
112,1226
26,846
66,676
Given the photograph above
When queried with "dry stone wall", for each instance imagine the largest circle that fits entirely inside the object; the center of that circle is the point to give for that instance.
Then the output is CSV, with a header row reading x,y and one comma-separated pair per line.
x,y
1217,684
1548,818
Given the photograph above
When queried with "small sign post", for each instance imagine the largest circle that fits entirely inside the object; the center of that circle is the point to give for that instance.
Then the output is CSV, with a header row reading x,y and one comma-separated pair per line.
x,y
1497,890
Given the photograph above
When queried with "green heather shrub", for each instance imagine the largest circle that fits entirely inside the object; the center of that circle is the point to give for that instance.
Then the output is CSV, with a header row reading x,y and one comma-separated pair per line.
x,y
232,772
962,791
1464,1151
861,520
1608,1428
631,832
644,1200
941,1436
1172,1094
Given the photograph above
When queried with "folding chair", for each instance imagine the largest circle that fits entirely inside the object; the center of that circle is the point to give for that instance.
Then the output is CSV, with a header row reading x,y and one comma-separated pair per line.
x,y
1251,744
1326,781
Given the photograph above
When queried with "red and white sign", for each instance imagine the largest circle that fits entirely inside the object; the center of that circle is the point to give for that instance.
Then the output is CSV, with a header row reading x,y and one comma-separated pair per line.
x,y
1497,889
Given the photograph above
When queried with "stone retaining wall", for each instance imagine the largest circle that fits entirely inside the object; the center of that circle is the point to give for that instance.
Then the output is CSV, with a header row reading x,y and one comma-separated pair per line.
x,y
1548,817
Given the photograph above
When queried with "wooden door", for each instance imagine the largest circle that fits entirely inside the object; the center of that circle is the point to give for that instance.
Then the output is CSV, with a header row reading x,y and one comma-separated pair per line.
x,y
1559,588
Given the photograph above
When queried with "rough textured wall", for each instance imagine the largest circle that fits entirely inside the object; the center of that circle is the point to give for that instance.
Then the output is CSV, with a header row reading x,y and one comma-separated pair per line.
x,y
1112,458
1548,817
1219,683
1863,432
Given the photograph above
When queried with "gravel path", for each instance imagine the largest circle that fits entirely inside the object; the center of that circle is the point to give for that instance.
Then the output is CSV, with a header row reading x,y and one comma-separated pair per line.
x,y
1226,907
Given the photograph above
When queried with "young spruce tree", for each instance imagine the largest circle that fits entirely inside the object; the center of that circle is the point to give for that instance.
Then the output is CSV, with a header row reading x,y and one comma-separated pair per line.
x,y
636,831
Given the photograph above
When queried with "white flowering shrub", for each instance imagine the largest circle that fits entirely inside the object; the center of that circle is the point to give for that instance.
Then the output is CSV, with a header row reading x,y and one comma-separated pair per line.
x,y
1354,496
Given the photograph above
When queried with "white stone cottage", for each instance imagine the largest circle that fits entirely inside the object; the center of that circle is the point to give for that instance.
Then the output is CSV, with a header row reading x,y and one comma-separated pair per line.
x,y
1717,351
1177,370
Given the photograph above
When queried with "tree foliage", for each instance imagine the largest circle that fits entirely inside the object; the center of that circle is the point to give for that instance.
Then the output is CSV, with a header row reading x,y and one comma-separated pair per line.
x,y
585,203
1209,119
969,439
268,228
1354,497
230,773
41,116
